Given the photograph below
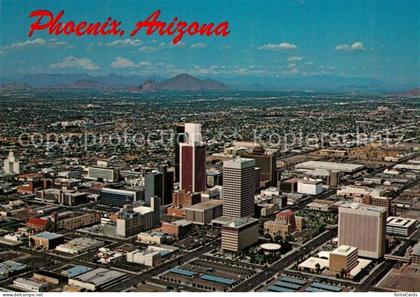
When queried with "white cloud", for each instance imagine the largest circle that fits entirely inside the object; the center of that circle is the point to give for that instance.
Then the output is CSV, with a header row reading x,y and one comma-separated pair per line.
x,y
180,44
198,45
74,62
357,46
292,69
277,47
147,49
295,59
38,42
124,43
121,63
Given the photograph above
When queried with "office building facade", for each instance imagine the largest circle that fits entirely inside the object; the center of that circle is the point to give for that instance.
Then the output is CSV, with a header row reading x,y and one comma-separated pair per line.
x,y
193,160
363,226
159,183
238,188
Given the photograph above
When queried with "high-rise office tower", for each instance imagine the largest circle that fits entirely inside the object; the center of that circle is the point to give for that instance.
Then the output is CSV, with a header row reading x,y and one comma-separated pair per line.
x,y
193,160
179,138
12,164
159,183
238,187
266,161
363,226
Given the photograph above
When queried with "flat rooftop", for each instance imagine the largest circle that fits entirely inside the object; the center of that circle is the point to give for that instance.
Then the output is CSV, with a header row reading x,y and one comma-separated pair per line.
x,y
205,205
99,276
239,163
47,235
362,207
240,223
344,250
75,271
344,167
400,222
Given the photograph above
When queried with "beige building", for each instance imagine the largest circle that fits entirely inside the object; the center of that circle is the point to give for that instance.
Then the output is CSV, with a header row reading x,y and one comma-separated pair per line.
x,y
284,224
343,258
363,226
300,223
239,234
239,188
203,213
278,228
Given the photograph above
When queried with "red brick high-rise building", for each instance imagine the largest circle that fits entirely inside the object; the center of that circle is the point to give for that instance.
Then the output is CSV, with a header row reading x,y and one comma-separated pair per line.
x,y
193,160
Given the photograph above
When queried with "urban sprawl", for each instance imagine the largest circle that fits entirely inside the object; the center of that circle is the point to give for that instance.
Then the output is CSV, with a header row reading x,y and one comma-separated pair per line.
x,y
230,192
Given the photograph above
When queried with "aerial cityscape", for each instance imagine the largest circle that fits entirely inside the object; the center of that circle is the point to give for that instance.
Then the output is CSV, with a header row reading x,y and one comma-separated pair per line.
x,y
134,176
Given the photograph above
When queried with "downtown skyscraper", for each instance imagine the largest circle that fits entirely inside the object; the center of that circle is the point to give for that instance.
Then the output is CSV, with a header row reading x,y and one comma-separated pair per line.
x,y
192,160
238,188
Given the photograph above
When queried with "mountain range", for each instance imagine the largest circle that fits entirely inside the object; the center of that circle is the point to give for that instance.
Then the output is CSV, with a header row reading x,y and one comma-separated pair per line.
x,y
186,82
135,83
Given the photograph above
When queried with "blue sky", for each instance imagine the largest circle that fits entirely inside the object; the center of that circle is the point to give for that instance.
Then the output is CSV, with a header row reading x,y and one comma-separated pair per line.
x,y
378,39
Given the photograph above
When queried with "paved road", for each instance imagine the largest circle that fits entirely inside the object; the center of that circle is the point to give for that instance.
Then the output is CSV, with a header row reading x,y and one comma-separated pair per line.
x,y
284,262
148,276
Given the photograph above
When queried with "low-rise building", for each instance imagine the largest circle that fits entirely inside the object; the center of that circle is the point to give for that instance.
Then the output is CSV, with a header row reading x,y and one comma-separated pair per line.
x,y
79,245
300,223
49,277
79,221
344,258
108,256
320,205
9,268
152,256
284,224
46,240
38,224
310,187
30,285
203,213
177,228
98,279
415,254
239,234
398,226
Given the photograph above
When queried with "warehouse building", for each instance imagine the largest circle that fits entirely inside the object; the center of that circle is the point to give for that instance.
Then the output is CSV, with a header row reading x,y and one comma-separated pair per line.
x,y
98,279
79,245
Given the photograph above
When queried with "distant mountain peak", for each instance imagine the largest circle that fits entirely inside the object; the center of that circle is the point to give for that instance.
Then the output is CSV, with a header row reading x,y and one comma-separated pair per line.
x,y
183,82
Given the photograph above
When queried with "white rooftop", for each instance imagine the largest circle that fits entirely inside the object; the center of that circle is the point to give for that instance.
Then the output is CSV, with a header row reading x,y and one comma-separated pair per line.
x,y
400,222
345,167
99,276
239,163
344,250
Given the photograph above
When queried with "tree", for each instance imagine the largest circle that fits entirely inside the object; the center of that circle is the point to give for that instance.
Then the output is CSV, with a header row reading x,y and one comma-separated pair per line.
x,y
317,267
277,238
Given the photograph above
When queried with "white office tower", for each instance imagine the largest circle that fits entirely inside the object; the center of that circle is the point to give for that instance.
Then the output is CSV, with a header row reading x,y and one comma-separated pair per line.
x,y
193,132
238,188
12,164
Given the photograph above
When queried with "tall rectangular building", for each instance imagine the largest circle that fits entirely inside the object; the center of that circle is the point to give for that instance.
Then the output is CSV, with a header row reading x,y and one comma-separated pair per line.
x,y
266,161
363,226
179,138
159,183
193,160
12,164
238,188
